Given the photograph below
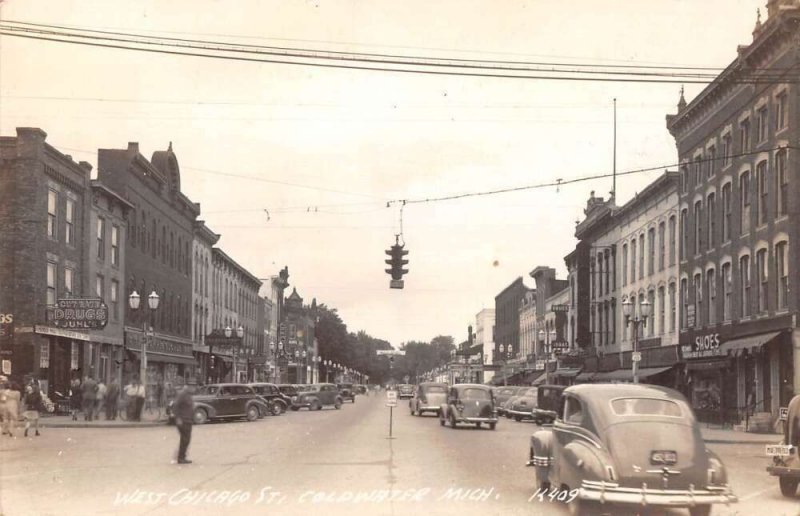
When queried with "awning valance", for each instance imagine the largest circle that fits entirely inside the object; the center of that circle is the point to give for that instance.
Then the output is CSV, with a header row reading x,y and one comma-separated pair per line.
x,y
736,347
567,372
586,376
162,357
706,365
626,375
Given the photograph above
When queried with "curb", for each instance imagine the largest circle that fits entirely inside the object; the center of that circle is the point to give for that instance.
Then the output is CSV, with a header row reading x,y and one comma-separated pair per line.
x,y
102,425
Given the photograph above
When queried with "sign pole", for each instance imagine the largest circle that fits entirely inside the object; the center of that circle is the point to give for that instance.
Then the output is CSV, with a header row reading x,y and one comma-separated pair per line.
x,y
391,410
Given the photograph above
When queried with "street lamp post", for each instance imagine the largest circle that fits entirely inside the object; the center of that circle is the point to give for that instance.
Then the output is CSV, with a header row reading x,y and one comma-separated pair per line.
x,y
547,338
239,334
636,320
152,302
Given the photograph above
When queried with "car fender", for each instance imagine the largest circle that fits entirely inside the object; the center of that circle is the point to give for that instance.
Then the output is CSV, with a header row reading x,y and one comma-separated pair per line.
x,y
541,454
578,461
210,410
720,475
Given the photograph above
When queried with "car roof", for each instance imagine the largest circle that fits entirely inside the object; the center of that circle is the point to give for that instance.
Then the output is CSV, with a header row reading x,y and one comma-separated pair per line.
x,y
428,384
472,386
598,396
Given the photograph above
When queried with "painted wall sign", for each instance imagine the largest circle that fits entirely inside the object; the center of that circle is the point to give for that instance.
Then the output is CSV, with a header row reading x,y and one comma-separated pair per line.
x,y
704,346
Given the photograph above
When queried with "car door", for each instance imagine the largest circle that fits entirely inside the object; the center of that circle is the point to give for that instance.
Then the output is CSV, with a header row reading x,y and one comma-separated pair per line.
x,y
569,429
224,401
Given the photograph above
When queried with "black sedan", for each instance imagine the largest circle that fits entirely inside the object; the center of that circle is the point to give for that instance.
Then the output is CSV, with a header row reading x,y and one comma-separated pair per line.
x,y
227,401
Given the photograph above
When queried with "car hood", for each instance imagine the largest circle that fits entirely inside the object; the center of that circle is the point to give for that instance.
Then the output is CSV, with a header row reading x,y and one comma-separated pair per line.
x,y
631,444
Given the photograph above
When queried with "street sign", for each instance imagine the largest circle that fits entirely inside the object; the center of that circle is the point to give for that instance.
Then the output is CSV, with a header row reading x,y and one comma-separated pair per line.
x,y
636,356
391,398
389,352
79,313
783,414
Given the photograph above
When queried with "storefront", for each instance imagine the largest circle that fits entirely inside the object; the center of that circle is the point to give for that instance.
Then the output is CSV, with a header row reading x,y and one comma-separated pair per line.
x,y
61,359
167,358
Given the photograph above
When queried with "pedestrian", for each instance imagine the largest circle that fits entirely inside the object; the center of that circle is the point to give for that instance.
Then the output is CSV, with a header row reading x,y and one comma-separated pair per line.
x,y
135,393
75,397
183,409
100,401
33,404
9,401
112,400
89,396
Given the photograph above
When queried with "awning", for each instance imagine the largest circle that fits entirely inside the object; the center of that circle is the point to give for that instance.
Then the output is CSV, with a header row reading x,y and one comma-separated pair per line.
x,y
626,375
152,356
736,347
532,376
567,372
540,380
586,376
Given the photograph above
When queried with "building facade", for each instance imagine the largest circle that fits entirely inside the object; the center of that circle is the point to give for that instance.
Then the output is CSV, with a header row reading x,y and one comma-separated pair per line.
x,y
506,326
738,214
202,297
527,324
484,337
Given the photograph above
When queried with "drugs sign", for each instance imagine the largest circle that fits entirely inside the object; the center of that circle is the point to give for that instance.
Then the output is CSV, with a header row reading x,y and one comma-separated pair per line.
x,y
79,313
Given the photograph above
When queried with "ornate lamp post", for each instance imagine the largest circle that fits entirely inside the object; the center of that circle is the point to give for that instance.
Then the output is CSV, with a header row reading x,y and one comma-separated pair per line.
x,y
303,355
152,302
239,334
636,320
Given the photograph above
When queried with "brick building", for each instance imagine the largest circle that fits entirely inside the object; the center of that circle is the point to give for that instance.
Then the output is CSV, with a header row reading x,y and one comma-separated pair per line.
x,y
202,243
506,325
158,259
739,207
45,205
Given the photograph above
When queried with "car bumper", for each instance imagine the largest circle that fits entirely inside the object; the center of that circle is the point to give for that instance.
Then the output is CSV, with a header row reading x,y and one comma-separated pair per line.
x,y
783,471
429,408
476,420
405,396
609,492
521,413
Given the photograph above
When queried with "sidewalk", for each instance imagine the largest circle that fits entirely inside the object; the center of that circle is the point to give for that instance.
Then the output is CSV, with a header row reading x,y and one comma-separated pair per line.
x,y
148,419
728,436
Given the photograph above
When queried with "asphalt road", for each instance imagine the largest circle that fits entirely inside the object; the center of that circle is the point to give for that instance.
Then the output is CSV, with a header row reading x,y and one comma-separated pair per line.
x,y
332,462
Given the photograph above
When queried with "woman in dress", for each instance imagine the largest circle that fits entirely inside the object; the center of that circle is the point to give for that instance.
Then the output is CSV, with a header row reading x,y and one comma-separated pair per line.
x,y
33,403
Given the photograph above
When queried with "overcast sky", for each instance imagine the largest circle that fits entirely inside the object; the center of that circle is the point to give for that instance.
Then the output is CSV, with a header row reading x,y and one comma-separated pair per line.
x,y
349,141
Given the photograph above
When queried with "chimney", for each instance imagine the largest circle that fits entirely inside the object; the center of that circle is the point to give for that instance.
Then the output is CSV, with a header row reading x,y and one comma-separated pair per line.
x,y
133,147
30,141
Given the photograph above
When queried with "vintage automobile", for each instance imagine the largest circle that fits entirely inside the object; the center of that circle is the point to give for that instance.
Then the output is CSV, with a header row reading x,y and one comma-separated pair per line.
x,y
276,401
469,403
502,395
317,396
347,391
637,446
227,401
289,391
362,389
521,406
405,391
547,403
428,397
786,455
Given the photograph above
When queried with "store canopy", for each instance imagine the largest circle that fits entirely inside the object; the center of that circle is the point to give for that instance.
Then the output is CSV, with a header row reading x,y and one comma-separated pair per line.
x,y
566,372
626,375
586,376
163,357
737,346
540,380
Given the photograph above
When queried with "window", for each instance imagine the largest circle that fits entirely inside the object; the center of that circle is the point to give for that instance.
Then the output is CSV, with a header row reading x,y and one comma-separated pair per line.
x,y
711,161
698,298
763,278
684,303
761,179
101,238
662,244
711,215
633,260
698,224
573,414
727,284
69,234
52,203
782,274
651,324
781,107
672,240
44,355
684,233
661,310
744,284
651,251
698,169
100,286
744,135
782,180
685,178
744,202
726,150
726,212
51,283
114,245
711,288
641,256
69,279
761,124
115,299
672,307
624,264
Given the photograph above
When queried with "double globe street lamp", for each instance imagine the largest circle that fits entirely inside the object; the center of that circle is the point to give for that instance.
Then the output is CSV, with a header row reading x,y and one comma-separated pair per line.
x,y
548,351
134,301
504,356
637,320
239,333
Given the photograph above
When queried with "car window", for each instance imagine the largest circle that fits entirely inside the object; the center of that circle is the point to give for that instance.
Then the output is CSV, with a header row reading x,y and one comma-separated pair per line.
x,y
209,389
435,389
476,394
224,391
573,411
246,390
645,407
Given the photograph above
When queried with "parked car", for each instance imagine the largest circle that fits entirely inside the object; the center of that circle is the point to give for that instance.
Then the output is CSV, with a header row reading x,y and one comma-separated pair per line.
x,y
547,403
522,405
786,455
469,403
428,397
405,391
227,401
276,400
502,395
288,390
347,392
319,395
629,445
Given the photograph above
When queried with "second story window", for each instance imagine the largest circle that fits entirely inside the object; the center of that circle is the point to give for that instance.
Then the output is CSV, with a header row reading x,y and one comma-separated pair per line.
x,y
727,149
52,205
744,202
698,224
684,233
726,212
727,285
711,212
69,219
782,274
744,284
761,181
711,161
114,245
69,280
763,278
711,288
782,184
101,238
51,283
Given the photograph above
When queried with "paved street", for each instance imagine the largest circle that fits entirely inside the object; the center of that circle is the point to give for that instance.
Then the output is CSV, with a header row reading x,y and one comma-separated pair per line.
x,y
328,462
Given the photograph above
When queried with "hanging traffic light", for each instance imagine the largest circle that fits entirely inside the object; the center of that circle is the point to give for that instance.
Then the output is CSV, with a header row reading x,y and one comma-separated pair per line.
x,y
396,261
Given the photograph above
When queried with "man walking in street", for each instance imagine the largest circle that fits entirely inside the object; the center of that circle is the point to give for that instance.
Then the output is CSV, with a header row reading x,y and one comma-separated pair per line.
x,y
89,397
183,409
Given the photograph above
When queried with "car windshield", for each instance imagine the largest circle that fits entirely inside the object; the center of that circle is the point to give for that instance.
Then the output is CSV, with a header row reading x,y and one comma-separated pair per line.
x,y
288,390
645,407
475,394
530,393
345,385
434,389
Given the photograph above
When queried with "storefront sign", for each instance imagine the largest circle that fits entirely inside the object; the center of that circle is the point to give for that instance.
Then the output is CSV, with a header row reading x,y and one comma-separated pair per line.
x,y
58,332
159,345
6,333
559,308
79,313
705,346
690,316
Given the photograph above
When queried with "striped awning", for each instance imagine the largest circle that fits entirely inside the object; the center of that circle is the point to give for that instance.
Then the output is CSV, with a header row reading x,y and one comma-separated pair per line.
x,y
736,347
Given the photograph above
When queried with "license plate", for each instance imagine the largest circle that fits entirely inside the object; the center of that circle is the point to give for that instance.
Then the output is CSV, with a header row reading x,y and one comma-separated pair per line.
x,y
663,457
779,450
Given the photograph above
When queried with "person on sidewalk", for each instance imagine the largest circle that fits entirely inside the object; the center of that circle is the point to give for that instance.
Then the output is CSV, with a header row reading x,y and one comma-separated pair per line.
x,y
33,404
136,393
9,404
100,401
89,397
183,409
112,399
75,397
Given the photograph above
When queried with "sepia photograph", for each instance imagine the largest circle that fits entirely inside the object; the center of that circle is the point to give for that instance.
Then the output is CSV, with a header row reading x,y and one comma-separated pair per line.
x,y
385,258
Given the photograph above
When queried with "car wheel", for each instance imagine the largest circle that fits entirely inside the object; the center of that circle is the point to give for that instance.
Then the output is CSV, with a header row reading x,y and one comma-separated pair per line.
x,y
700,510
252,413
788,486
492,426
477,425
200,416
275,408
337,405
314,405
